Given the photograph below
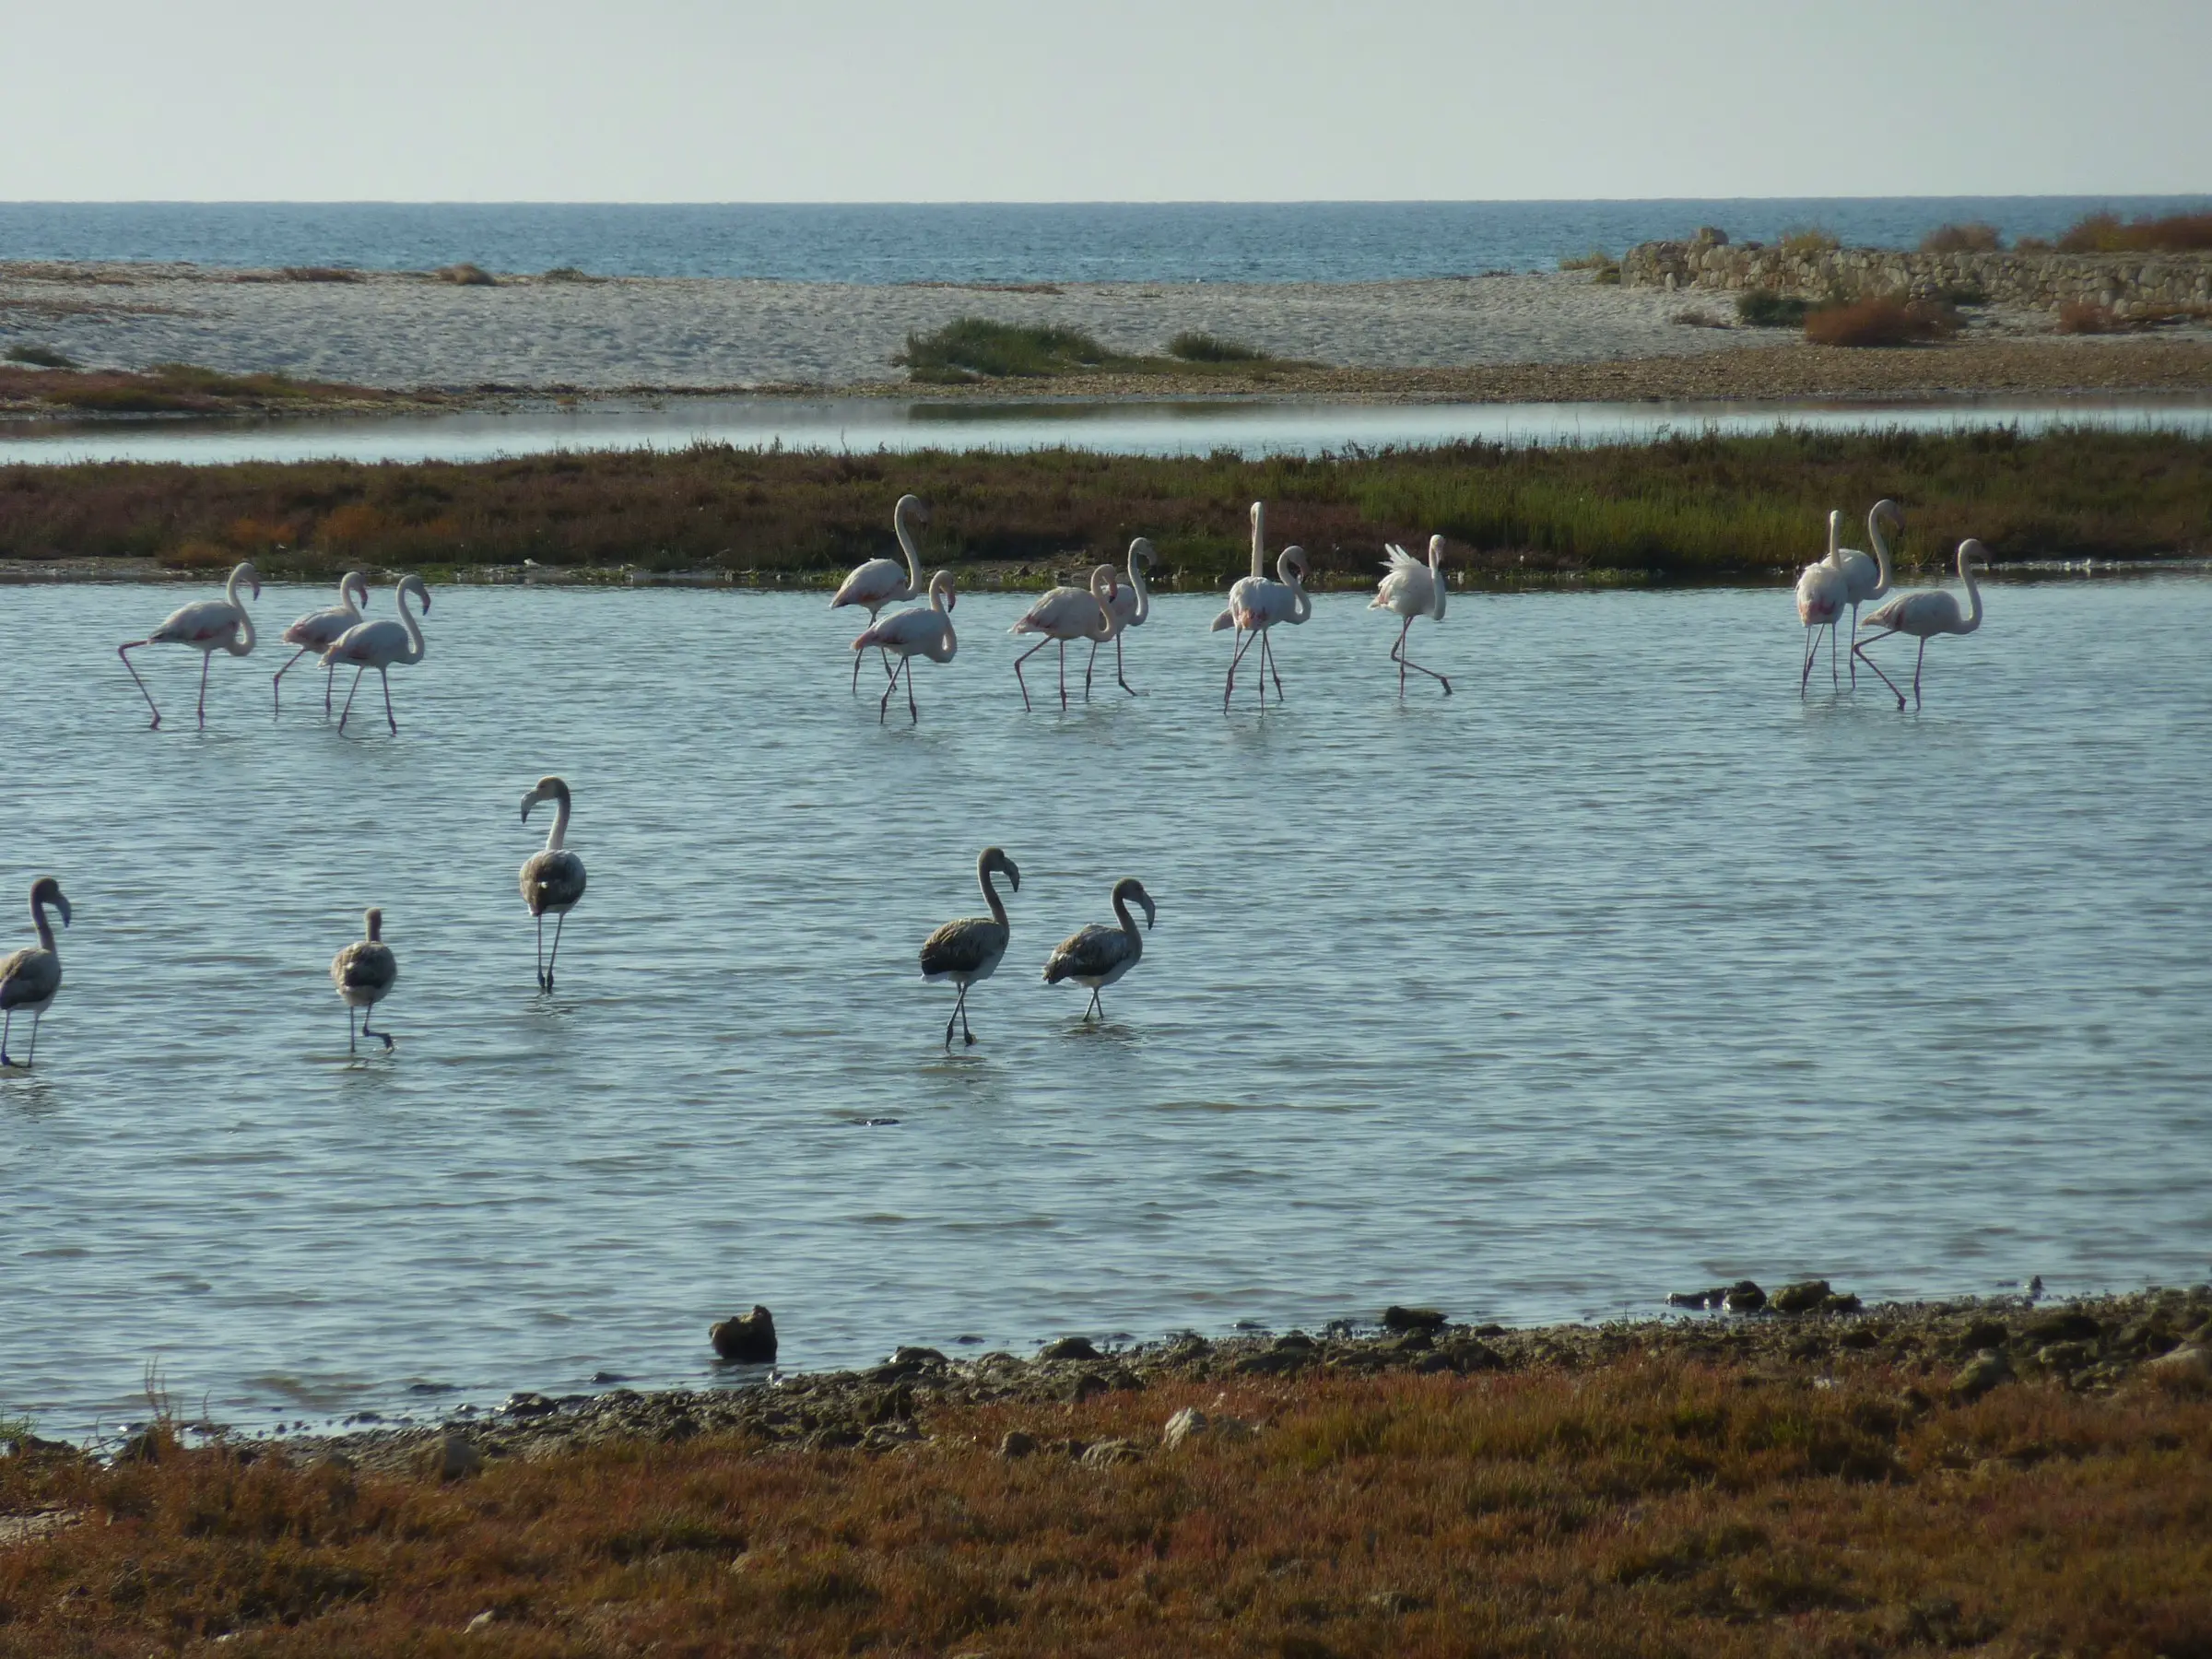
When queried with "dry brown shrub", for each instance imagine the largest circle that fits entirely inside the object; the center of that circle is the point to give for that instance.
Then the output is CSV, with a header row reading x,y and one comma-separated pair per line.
x,y
1878,322
350,526
2085,317
1974,238
198,555
2105,233
467,275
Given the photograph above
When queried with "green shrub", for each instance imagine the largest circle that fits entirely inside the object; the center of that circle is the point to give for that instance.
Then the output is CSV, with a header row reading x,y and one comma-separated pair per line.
x,y
1211,348
41,357
571,273
975,347
1763,308
321,274
1808,240
1597,259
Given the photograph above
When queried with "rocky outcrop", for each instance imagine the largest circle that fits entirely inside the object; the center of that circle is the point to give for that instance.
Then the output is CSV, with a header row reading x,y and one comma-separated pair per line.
x,y
2130,284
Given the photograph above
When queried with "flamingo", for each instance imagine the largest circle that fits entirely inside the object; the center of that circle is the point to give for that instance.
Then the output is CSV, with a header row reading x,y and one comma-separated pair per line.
x,y
1098,954
972,949
1064,614
881,581
1923,616
1256,605
29,978
1822,592
1130,607
364,972
552,879
207,626
1869,578
918,631
378,645
1412,590
318,632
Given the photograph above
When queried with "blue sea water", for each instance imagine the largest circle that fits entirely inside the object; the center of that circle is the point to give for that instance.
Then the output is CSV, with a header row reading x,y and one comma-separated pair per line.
x,y
1045,242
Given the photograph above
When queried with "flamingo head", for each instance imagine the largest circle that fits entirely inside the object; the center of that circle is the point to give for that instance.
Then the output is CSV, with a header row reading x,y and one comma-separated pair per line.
x,y
356,587
911,507
1129,888
547,788
47,891
1142,549
247,575
420,588
373,919
995,858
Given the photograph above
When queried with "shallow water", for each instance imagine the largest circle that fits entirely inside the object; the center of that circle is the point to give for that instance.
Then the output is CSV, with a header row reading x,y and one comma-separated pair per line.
x,y
1249,427
1620,971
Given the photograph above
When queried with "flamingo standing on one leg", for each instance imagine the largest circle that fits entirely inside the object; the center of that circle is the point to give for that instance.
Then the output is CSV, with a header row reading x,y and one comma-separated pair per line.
x,y
29,978
1869,578
1412,590
1097,956
552,879
1923,616
318,632
917,631
1131,604
379,645
883,582
364,973
1256,605
207,626
970,950
1822,592
1064,614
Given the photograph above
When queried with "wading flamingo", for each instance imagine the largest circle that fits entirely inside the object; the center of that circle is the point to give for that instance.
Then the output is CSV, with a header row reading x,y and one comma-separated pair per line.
x,y
1821,597
919,631
552,879
1100,955
207,626
883,582
1923,616
318,632
29,978
972,949
378,645
1132,604
1064,614
364,972
1256,605
1412,589
1869,578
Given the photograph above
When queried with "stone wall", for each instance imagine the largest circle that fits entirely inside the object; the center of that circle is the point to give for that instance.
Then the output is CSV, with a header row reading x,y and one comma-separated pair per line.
x,y
2128,283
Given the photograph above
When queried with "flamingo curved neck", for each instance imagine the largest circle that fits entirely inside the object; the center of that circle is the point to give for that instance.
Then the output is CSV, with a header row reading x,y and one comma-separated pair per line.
x,y
559,835
1143,593
998,905
406,620
1973,594
1291,568
38,918
1436,574
1259,542
1120,908
907,547
241,638
1881,549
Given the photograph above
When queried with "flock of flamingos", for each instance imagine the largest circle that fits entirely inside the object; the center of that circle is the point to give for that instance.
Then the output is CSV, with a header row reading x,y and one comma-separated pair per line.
x,y
963,952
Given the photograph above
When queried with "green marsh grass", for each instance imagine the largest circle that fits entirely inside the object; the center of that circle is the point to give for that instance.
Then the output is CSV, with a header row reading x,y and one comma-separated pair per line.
x,y
41,357
1211,348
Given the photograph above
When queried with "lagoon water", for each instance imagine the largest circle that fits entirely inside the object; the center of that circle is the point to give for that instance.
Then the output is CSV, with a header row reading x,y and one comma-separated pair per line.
x,y
1621,970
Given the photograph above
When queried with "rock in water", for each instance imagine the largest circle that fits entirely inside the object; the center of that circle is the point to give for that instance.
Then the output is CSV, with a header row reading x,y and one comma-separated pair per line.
x,y
1802,1297
1412,1319
1069,1347
749,1339
1745,1296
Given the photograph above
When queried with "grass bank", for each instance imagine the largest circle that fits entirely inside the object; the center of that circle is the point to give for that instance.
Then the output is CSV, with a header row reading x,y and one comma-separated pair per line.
x,y
970,349
1685,510
1995,1476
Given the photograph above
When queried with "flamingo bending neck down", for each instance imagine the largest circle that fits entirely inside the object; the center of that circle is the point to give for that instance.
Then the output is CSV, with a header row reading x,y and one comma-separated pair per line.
x,y
207,626
1064,614
883,582
1821,595
1130,606
1923,616
1412,590
1098,956
1868,578
29,977
970,950
919,631
1256,605
318,632
552,879
379,645
364,972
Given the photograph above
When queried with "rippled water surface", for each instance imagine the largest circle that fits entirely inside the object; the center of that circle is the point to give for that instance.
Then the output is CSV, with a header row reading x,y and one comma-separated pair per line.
x,y
1620,971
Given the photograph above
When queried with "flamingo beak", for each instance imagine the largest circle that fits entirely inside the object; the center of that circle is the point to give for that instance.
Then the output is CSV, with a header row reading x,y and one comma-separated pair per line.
x,y
62,904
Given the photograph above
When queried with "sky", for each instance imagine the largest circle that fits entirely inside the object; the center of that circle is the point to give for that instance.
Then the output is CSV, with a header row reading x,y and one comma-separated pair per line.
x,y
728,101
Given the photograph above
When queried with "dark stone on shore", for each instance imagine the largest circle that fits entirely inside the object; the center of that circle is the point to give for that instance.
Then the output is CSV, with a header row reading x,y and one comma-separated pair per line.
x,y
1017,1444
2068,1325
1069,1347
451,1457
1412,1319
1490,1330
1103,1453
1983,1333
1413,1342
1981,1374
1744,1297
1297,1342
142,1447
1846,1303
1804,1297
918,1356
1088,1385
529,1405
749,1339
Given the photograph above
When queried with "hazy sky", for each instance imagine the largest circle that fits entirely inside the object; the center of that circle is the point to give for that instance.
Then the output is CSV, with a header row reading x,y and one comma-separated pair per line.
x,y
1163,100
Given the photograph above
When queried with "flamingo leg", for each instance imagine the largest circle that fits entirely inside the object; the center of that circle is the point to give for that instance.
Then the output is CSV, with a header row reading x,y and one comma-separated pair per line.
x,y
883,709
1397,656
350,1047
330,678
856,657
1063,677
1858,649
1096,1006
206,662
385,1036
541,950
556,956
1120,677
125,652
1812,649
1917,663
967,1036
348,708
385,674
1833,680
276,681
1093,663
1854,634
1267,661
912,713
31,1059
1405,662
7,1024
1018,661
1244,644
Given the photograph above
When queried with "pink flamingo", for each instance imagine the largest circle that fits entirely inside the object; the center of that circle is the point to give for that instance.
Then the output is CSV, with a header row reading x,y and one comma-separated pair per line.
x,y
207,626
1823,590
318,632
883,582
378,645
1064,614
918,631
1256,605
1412,589
1923,616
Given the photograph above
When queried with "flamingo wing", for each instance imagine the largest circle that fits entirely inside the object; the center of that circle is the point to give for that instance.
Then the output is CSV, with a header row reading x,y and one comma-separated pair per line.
x,y
28,976
970,945
875,582
1093,953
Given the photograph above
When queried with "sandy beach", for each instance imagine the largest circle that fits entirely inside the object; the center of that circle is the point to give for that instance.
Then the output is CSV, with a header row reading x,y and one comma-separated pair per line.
x,y
1463,337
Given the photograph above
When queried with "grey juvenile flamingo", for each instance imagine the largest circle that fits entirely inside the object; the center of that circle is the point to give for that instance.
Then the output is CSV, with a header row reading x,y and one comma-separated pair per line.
x,y
970,950
29,978
552,879
364,972
1100,955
